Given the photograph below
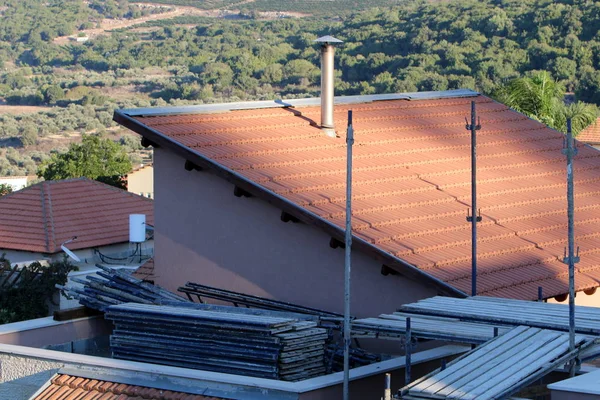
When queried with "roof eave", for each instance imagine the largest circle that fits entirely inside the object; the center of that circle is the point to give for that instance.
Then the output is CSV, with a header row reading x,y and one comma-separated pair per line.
x,y
158,139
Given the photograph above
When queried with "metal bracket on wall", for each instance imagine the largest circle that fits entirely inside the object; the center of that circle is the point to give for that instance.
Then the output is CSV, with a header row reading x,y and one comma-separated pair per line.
x,y
334,244
286,217
147,143
239,192
190,166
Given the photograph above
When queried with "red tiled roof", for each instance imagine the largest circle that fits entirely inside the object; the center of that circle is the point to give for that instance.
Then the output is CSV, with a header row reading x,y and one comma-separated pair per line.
x,y
41,217
68,387
412,182
591,134
145,271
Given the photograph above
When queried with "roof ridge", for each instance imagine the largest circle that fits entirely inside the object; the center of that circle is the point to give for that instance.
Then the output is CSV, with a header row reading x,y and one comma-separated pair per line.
x,y
49,219
43,202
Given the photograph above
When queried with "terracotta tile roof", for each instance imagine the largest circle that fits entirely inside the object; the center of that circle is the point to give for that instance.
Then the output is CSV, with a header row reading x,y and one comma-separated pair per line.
x,y
41,217
411,183
146,271
591,134
68,387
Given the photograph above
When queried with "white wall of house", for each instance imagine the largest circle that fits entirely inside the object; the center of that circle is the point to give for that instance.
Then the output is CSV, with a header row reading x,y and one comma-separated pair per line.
x,y
16,182
207,235
141,181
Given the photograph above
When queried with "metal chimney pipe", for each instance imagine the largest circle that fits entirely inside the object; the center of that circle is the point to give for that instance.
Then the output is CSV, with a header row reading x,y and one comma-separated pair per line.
x,y
327,83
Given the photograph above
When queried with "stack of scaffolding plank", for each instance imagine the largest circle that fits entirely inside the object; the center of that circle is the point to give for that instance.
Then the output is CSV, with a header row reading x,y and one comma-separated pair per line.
x,y
493,310
110,287
222,339
393,327
203,291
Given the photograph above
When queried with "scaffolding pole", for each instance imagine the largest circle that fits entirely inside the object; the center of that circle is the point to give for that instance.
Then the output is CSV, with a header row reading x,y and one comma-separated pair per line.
x,y
474,218
570,257
348,258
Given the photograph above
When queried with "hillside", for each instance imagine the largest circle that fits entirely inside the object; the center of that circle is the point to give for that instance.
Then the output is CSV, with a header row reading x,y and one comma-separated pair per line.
x,y
146,54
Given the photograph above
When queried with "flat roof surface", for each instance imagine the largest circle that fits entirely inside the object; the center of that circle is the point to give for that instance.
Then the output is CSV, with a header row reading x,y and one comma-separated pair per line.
x,y
587,383
411,182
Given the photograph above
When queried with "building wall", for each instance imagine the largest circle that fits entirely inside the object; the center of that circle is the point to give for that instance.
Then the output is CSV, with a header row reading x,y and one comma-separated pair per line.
x,y
141,181
581,299
205,234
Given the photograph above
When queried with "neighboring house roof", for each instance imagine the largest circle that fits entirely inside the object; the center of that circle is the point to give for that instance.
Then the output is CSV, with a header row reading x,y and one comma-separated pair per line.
x,y
411,182
591,134
69,387
145,271
41,217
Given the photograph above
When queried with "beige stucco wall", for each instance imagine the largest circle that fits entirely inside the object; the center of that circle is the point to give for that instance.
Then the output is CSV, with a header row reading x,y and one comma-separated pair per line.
x,y
207,235
582,299
141,181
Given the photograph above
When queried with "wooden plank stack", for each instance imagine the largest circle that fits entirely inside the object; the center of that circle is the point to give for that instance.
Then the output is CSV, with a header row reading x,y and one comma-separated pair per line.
x,y
230,340
500,367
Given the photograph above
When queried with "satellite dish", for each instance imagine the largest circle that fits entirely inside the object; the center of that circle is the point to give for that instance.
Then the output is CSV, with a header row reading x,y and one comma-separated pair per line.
x,y
69,252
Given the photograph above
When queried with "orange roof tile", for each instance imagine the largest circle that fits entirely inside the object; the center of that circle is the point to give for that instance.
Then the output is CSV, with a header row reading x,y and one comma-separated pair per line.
x,y
591,134
145,271
41,217
411,183
67,387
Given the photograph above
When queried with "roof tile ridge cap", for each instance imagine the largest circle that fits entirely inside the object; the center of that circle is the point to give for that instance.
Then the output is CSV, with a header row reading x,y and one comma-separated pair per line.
x,y
47,218
51,215
118,190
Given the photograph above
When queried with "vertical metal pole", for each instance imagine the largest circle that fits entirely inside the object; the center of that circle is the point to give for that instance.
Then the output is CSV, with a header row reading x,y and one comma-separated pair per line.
x,y
407,352
474,218
571,258
540,294
348,265
387,393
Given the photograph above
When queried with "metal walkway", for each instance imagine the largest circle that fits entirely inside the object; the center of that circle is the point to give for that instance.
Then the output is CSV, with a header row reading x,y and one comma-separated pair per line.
x,y
499,368
493,310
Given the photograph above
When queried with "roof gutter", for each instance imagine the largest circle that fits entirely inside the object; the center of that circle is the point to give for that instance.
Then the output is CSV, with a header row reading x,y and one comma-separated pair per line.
x,y
160,140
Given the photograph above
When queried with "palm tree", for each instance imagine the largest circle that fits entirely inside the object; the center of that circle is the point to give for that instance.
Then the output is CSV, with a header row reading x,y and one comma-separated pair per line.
x,y
540,97
581,114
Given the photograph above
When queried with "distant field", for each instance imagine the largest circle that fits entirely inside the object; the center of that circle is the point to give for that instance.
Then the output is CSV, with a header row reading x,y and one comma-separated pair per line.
x,y
314,7
202,4
18,110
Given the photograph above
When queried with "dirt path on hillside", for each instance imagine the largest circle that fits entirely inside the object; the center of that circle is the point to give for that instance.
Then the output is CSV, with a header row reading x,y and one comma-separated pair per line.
x,y
108,24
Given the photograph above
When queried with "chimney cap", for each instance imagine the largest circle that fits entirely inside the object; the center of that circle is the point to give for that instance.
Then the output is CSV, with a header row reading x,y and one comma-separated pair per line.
x,y
328,39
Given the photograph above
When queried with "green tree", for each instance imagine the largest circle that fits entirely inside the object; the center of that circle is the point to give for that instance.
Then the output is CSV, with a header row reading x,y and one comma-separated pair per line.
x,y
30,288
542,98
5,189
94,158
